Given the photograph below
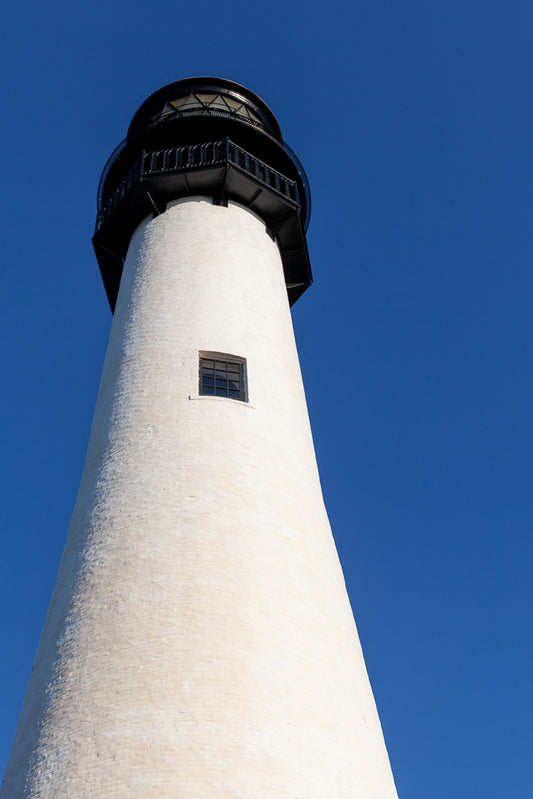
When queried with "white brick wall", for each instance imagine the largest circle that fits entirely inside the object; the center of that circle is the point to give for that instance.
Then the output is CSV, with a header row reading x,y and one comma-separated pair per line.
x,y
199,643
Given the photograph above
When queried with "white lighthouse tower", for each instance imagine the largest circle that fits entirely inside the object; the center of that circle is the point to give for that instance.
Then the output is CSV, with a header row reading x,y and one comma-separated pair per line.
x,y
199,642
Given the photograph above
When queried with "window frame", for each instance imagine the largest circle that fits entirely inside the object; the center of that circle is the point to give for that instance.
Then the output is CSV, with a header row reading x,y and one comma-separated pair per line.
x,y
227,359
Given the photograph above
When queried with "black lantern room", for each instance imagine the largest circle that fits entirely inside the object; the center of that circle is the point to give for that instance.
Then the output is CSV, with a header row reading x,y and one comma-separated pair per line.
x,y
209,137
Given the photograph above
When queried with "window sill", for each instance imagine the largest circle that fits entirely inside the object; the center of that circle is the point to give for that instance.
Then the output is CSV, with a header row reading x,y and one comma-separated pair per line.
x,y
210,398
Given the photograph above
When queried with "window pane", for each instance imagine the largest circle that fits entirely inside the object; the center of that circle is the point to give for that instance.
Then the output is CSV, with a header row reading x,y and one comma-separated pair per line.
x,y
219,104
206,98
187,102
222,378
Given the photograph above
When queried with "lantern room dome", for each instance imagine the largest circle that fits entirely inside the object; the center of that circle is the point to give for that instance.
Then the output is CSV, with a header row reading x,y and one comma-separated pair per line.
x,y
204,96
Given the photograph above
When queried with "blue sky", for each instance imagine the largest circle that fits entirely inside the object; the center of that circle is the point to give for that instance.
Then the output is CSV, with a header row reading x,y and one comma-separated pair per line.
x,y
414,123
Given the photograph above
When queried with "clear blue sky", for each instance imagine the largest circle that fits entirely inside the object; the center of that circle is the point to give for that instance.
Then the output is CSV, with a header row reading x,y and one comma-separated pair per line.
x,y
414,123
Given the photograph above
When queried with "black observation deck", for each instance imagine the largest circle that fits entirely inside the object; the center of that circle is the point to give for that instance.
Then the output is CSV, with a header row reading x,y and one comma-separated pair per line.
x,y
208,137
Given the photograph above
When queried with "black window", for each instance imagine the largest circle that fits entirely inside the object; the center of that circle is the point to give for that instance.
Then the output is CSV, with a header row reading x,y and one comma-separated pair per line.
x,y
223,376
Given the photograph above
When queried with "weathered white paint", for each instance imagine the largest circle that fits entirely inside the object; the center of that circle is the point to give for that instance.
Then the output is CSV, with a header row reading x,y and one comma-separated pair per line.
x,y
199,642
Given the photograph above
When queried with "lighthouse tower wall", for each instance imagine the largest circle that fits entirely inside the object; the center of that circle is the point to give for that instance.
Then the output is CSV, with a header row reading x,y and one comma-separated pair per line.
x,y
199,642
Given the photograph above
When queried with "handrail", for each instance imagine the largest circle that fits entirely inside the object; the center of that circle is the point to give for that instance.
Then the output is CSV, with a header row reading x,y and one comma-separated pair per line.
x,y
194,156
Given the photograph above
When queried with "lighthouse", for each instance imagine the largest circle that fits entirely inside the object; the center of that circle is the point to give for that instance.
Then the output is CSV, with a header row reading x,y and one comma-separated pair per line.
x,y
199,642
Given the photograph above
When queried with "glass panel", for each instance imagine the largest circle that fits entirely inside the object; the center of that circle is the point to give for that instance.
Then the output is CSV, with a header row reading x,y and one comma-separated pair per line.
x,y
221,392
234,394
221,382
235,105
208,390
190,102
219,103
206,98
221,365
207,380
206,363
180,100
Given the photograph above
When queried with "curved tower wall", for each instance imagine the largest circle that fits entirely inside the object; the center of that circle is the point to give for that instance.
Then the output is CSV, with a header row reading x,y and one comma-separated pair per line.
x,y
199,641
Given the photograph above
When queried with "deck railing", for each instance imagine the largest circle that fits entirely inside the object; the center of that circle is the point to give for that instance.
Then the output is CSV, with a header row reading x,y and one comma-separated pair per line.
x,y
199,156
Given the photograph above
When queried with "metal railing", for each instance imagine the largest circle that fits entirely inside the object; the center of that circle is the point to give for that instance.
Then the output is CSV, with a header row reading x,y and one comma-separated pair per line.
x,y
199,156
261,172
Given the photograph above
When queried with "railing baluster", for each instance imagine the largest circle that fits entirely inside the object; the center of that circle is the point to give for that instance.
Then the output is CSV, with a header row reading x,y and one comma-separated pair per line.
x,y
199,155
